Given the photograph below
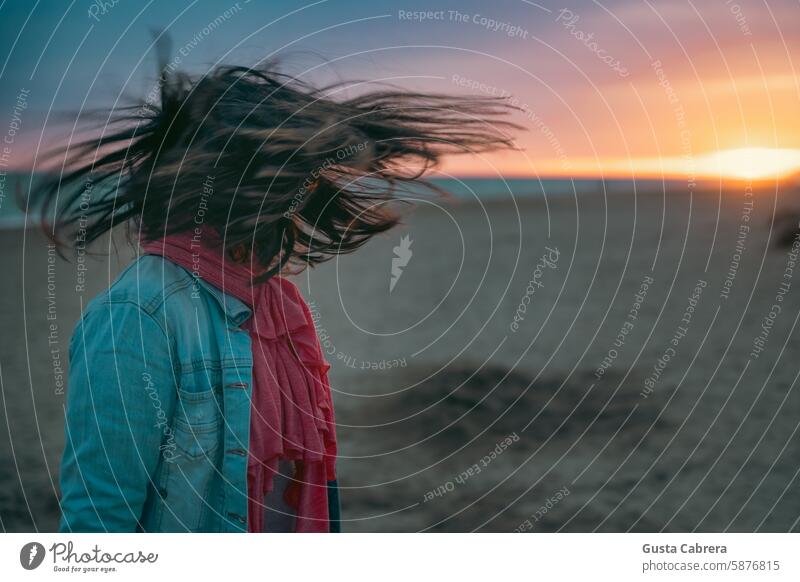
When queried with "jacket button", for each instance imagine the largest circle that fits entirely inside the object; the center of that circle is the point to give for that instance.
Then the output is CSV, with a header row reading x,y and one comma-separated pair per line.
x,y
162,492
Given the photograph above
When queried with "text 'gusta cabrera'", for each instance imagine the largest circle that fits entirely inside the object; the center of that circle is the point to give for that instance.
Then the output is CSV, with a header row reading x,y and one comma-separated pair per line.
x,y
684,549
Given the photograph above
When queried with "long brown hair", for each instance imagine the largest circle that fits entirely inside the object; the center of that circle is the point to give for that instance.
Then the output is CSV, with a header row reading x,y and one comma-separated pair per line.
x,y
295,174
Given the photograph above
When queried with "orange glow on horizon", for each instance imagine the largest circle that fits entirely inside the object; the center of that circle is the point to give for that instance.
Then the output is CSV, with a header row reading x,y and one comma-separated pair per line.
x,y
750,163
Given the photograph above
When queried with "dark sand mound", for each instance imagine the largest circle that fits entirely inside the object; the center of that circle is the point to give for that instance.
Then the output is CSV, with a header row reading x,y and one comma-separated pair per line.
x,y
465,402
431,428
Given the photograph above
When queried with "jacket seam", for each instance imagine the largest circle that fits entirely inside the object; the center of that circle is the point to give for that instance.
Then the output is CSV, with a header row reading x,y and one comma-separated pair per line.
x,y
216,365
159,300
140,308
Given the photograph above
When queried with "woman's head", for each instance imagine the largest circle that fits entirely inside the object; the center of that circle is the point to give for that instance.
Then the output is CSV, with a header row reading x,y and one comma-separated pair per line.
x,y
292,173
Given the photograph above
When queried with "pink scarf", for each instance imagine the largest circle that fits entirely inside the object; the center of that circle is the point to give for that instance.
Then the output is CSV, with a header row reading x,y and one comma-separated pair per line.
x,y
292,413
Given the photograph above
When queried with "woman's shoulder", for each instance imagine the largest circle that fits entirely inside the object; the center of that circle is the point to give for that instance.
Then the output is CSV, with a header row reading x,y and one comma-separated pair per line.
x,y
147,283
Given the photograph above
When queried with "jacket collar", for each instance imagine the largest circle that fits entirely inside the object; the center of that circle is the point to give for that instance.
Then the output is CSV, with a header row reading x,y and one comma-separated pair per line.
x,y
235,309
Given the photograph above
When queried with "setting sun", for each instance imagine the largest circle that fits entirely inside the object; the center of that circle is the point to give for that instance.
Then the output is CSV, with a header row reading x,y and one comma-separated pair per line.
x,y
750,163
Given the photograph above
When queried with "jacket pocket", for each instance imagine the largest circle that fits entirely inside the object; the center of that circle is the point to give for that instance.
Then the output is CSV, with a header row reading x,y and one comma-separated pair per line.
x,y
197,424
188,477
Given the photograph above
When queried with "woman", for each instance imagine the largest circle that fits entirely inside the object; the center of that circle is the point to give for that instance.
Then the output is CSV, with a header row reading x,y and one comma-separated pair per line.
x,y
198,396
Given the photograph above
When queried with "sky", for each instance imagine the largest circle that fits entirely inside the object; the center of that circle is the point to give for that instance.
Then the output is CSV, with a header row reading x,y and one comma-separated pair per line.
x,y
643,88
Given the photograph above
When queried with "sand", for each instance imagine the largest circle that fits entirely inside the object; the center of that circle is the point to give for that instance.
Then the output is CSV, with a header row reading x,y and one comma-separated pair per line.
x,y
598,363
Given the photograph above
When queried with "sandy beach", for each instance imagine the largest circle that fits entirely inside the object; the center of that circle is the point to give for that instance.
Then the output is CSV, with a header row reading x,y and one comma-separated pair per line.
x,y
602,362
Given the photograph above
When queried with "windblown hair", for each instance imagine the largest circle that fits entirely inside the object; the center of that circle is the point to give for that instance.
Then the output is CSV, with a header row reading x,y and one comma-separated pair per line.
x,y
292,173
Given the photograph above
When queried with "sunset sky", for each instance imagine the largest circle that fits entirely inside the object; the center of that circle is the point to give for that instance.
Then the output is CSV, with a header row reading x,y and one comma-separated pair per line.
x,y
619,88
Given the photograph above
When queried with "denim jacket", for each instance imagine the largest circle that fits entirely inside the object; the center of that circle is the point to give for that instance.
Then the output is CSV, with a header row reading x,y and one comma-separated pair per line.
x,y
158,408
